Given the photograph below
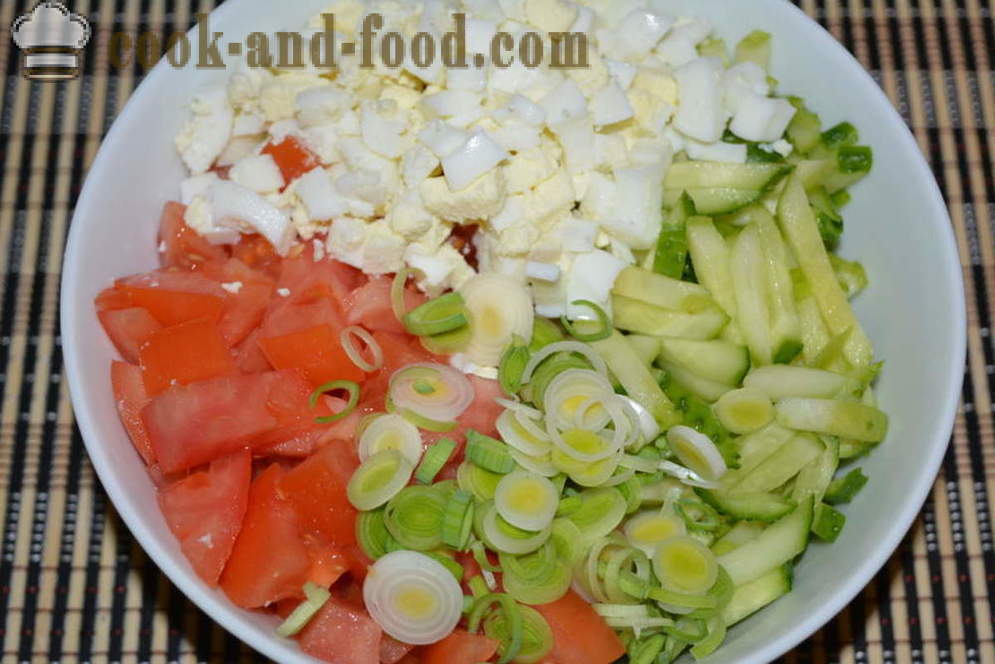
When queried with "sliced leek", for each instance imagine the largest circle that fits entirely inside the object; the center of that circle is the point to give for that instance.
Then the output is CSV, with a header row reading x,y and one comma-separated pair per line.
x,y
685,565
499,308
390,432
378,479
648,529
414,517
744,410
526,500
437,392
697,452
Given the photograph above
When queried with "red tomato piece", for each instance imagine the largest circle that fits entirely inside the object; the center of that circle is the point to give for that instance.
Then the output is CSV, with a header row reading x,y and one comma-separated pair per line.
x,y
484,411
342,634
285,316
205,512
174,297
308,279
184,354
317,490
131,397
292,157
316,351
183,246
247,297
460,647
369,306
328,563
580,635
112,298
128,329
393,651
249,357
256,251
269,561
197,423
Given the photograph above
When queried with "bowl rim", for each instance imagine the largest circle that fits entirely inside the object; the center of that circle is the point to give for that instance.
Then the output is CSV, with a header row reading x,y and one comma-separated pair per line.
x,y
219,609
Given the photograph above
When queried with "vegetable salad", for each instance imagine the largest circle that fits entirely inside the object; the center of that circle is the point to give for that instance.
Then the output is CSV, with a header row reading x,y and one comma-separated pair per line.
x,y
511,365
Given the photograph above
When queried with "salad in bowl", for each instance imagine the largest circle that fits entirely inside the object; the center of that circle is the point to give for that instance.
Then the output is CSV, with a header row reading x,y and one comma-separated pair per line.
x,y
507,363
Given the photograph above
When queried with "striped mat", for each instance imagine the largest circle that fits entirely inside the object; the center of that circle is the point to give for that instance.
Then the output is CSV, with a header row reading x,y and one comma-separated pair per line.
x,y
76,587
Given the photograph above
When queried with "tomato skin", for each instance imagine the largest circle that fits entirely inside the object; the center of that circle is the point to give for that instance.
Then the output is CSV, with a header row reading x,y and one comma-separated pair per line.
x,y
580,635
244,307
316,351
249,357
269,561
128,329
193,424
342,634
111,298
183,246
131,397
183,354
292,157
205,510
460,647
316,489
308,280
256,252
393,651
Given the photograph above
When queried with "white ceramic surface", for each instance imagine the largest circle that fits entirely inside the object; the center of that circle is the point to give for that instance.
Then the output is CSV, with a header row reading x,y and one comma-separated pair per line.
x,y
897,225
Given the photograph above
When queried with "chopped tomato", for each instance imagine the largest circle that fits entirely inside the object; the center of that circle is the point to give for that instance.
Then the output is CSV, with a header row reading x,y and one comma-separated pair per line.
x,y
328,563
112,298
249,357
292,157
460,647
307,279
316,351
393,651
258,253
247,297
483,412
342,634
286,316
205,512
197,423
580,635
183,354
317,490
131,397
128,329
174,297
369,306
269,561
183,246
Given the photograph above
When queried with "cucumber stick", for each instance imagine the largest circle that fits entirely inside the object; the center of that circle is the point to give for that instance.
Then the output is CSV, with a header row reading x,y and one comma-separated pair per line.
x,y
760,506
815,334
739,534
645,346
846,419
721,175
785,328
777,545
814,479
781,381
710,257
799,226
635,377
641,317
749,598
716,360
755,447
709,390
749,276
662,291
780,466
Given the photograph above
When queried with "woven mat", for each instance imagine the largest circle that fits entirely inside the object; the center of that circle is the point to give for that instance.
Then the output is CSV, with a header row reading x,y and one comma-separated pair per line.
x,y
75,586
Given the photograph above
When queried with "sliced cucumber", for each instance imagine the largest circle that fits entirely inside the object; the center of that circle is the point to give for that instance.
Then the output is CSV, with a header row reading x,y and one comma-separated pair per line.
x,y
765,507
815,478
778,544
714,359
843,489
756,447
804,130
827,523
755,47
725,200
815,334
645,346
749,276
781,381
749,598
635,377
710,257
709,390
634,315
798,223
785,329
738,535
813,172
662,291
846,419
780,466
719,175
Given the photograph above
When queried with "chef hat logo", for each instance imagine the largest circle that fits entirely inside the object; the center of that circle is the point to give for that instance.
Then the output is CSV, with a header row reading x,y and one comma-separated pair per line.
x,y
51,38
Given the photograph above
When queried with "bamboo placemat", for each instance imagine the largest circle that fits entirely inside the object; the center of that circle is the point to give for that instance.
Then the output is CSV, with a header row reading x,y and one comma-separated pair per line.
x,y
74,585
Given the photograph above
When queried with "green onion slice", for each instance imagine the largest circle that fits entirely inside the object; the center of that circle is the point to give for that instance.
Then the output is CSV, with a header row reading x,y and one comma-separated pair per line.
x,y
604,330
512,611
648,529
443,314
539,577
397,303
526,500
501,536
685,565
414,517
372,534
488,453
512,366
435,457
593,358
378,479
544,332
447,343
355,354
457,520
537,637
713,639
480,482
600,512
432,391
302,614
349,386
390,432
568,540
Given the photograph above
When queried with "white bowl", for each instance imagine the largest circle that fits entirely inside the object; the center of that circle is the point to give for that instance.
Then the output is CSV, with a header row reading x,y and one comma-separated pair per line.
x,y
897,225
